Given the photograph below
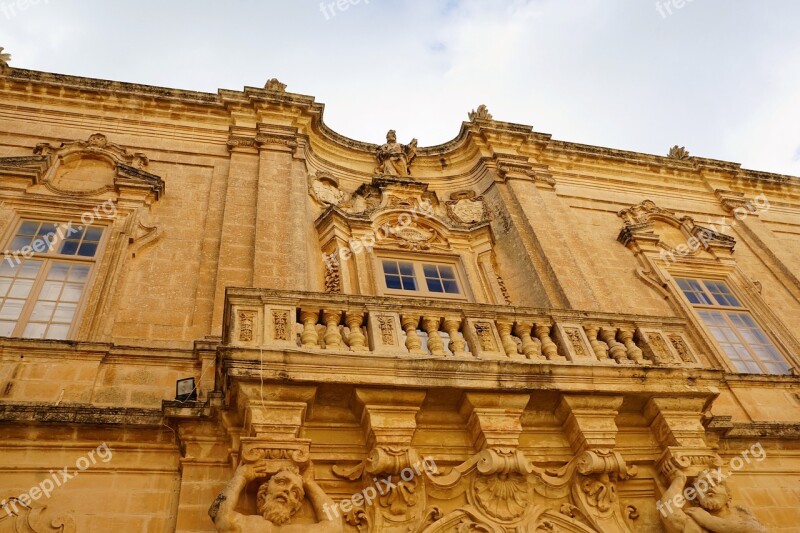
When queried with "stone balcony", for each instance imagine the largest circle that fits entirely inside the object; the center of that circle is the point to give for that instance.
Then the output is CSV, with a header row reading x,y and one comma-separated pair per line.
x,y
421,329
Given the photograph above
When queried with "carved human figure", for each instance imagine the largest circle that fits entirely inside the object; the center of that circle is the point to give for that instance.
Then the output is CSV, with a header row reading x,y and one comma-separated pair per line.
x,y
394,159
277,502
713,514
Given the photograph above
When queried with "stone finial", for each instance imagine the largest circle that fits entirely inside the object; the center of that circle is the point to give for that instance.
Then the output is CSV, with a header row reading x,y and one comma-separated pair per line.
x,y
678,152
482,113
275,86
4,59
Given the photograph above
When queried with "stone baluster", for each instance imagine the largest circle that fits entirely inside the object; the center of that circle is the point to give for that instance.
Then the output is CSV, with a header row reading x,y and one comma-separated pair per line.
x,y
356,339
435,342
529,347
549,348
599,347
333,339
615,349
413,342
504,328
634,353
309,337
452,325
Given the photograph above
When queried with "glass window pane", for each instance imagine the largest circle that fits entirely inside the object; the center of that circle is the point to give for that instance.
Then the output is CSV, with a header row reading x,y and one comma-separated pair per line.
x,y
393,282
447,272
11,309
409,284
93,234
72,292
390,267
57,331
19,242
58,272
6,328
34,330
450,286
430,271
21,288
51,290
406,269
29,269
64,313
434,285
5,283
29,227
43,311
79,273
69,247
87,249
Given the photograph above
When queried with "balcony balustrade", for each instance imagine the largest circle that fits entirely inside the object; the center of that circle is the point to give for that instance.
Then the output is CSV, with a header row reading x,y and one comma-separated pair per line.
x,y
421,328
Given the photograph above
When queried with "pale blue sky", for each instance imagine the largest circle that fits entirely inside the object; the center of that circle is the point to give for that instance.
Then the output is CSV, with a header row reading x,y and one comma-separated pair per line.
x,y
719,76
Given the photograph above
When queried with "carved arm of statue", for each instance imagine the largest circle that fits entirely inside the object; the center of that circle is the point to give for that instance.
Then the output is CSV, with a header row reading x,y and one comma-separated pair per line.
x,y
222,510
320,502
716,524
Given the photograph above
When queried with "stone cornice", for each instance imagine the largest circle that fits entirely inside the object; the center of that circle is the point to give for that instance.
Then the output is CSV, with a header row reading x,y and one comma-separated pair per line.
x,y
79,414
490,131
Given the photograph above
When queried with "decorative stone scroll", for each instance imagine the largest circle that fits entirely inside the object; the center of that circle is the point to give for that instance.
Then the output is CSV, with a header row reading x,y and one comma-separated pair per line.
x,y
31,516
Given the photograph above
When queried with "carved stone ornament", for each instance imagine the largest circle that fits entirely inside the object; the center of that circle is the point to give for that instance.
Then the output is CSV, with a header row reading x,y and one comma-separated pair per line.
x,y
325,189
482,113
275,86
395,159
32,517
246,325
89,168
4,59
285,481
678,152
712,509
466,208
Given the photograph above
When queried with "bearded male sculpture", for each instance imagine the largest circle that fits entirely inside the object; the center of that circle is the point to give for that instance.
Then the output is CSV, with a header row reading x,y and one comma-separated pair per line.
x,y
279,499
714,512
394,159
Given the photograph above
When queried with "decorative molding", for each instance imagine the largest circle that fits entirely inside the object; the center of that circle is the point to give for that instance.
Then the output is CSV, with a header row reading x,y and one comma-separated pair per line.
x,y
482,113
273,85
678,152
4,59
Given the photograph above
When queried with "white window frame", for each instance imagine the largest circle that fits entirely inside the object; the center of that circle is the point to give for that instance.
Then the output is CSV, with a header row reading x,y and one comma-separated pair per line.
x,y
725,310
48,259
418,260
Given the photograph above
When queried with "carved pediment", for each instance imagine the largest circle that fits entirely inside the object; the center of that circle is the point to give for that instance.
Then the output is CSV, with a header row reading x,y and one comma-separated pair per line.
x,y
646,223
86,168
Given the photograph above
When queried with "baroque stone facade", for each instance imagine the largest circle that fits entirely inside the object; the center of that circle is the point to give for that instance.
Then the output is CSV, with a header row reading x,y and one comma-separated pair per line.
x,y
502,333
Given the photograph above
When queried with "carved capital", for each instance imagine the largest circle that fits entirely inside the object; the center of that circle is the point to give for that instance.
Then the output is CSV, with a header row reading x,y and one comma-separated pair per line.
x,y
589,421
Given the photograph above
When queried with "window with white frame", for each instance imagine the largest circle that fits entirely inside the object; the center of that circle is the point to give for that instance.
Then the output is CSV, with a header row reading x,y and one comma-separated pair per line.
x,y
437,279
741,338
44,273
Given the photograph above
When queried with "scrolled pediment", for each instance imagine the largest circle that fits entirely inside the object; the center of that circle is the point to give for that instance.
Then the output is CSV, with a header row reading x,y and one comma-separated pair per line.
x,y
87,168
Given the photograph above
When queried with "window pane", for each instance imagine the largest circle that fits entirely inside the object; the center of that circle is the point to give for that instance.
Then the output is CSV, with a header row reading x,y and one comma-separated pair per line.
x,y
29,227
21,288
430,271
93,234
29,269
450,286
434,285
57,331
6,328
35,330
694,291
87,249
79,273
72,292
393,282
19,242
722,293
390,267
64,313
11,309
447,272
43,311
409,284
406,269
51,290
69,247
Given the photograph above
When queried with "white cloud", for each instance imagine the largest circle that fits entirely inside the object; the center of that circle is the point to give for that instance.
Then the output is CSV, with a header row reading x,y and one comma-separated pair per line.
x,y
718,77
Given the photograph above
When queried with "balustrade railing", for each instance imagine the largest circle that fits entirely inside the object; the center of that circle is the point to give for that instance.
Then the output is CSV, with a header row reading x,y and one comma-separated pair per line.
x,y
406,327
